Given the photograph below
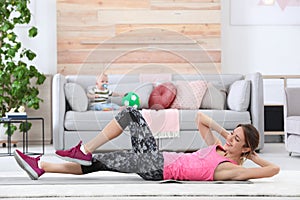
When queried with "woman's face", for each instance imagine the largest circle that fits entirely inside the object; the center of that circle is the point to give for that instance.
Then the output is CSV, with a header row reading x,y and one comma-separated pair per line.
x,y
235,143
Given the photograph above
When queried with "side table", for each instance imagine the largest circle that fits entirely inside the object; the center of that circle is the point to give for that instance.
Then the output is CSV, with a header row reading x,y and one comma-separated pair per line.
x,y
25,141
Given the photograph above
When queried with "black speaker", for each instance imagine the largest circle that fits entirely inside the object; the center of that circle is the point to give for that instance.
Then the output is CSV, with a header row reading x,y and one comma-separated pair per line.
x,y
274,118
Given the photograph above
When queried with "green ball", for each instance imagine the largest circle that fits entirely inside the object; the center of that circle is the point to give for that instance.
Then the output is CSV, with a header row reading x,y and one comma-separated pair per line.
x,y
131,99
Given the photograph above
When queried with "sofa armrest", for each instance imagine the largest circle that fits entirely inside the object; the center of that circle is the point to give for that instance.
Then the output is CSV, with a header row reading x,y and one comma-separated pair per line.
x,y
58,110
292,96
257,104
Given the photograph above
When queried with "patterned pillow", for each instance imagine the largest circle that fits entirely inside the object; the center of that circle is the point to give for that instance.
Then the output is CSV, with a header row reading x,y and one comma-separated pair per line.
x,y
189,94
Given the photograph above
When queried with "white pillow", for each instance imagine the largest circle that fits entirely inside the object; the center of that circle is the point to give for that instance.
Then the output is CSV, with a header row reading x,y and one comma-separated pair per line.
x,y
213,98
144,91
239,95
76,97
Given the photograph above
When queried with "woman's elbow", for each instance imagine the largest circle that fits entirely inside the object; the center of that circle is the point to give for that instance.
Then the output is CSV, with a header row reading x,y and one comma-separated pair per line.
x,y
275,169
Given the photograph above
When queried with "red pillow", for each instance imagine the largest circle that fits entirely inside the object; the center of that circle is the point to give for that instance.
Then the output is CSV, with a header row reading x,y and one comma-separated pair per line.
x,y
162,96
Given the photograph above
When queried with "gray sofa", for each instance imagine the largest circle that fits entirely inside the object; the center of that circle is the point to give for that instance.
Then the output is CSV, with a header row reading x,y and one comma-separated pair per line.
x,y
70,126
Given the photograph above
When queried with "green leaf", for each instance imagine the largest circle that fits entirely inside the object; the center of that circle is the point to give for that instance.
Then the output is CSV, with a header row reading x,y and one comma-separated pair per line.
x,y
30,55
33,32
12,37
41,79
11,52
7,26
12,129
25,126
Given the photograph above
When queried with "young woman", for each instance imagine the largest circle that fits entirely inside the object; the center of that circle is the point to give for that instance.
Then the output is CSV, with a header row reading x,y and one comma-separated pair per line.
x,y
216,162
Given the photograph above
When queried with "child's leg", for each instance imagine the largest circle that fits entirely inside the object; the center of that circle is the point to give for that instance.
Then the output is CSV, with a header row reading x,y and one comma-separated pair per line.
x,y
65,168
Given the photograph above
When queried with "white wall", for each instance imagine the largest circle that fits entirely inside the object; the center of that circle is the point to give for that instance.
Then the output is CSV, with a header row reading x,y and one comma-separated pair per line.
x,y
269,49
44,44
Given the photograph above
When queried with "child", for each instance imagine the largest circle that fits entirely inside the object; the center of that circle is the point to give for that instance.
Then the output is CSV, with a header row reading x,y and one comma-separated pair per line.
x,y
98,95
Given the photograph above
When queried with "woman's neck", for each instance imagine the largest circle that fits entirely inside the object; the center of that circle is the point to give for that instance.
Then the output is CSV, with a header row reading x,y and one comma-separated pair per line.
x,y
235,158
227,154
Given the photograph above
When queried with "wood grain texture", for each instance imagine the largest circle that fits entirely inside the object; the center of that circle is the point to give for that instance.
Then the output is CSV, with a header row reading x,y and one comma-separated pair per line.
x,y
117,33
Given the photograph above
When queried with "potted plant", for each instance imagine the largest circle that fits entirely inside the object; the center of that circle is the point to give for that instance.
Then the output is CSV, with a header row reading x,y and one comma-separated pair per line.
x,y
18,77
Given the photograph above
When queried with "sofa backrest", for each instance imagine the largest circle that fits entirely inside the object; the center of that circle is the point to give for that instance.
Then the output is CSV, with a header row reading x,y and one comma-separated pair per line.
x,y
223,81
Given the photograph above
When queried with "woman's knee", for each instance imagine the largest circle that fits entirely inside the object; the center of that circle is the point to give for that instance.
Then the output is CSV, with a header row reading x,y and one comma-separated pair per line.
x,y
125,116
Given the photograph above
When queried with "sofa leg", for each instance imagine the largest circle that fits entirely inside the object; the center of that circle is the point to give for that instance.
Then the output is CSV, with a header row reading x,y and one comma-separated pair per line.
x,y
290,153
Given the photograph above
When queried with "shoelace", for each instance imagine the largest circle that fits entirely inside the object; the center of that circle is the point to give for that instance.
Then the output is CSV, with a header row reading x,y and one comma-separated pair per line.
x,y
35,160
72,151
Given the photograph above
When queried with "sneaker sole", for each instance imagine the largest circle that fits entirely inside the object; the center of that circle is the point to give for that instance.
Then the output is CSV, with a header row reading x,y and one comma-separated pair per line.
x,y
81,162
32,174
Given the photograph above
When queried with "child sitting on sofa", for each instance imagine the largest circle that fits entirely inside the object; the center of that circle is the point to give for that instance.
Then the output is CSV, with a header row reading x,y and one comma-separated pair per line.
x,y
98,95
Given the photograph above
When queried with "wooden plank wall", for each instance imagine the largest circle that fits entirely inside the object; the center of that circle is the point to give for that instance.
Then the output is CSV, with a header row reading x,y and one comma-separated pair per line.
x,y
138,36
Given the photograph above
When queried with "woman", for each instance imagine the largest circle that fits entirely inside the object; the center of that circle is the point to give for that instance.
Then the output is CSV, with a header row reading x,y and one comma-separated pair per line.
x,y
216,162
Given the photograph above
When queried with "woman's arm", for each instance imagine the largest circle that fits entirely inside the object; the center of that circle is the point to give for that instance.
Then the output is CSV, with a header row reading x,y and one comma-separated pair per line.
x,y
234,172
267,169
205,125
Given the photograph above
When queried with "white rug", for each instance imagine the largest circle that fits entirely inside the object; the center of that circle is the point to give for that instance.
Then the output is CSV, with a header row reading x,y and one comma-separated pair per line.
x,y
100,180
109,185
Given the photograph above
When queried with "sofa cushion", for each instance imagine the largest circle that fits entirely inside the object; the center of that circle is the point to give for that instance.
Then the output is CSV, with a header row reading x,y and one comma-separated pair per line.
x,y
123,88
162,96
116,100
96,121
144,91
239,95
189,94
293,125
229,119
213,98
76,97
89,120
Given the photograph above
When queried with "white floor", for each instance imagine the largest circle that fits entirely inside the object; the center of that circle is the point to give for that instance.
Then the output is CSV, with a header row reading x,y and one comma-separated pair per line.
x,y
17,185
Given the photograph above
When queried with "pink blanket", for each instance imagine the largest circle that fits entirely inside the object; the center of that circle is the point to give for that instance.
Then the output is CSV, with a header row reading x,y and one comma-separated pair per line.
x,y
163,123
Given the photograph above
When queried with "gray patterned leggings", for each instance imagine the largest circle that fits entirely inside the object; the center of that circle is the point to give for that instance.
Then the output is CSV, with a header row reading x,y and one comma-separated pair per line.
x,y
144,157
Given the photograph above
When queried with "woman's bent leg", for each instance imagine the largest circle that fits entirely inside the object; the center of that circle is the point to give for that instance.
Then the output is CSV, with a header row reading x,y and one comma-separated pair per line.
x,y
144,158
110,131
128,117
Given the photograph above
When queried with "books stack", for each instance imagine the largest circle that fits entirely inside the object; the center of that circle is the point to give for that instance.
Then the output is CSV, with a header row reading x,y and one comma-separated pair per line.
x,y
16,115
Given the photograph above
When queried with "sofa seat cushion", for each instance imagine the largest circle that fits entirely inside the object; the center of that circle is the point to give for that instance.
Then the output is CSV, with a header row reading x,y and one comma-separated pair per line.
x,y
227,118
88,121
293,125
97,120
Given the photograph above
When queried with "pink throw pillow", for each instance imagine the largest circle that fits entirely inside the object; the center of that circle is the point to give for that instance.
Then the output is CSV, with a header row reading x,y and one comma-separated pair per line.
x,y
162,96
189,94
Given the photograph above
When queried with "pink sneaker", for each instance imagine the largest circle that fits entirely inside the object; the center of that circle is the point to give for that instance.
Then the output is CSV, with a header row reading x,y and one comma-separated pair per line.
x,y
75,155
29,164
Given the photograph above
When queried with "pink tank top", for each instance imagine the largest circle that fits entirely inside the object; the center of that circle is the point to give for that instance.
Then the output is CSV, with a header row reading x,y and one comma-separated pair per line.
x,y
196,166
